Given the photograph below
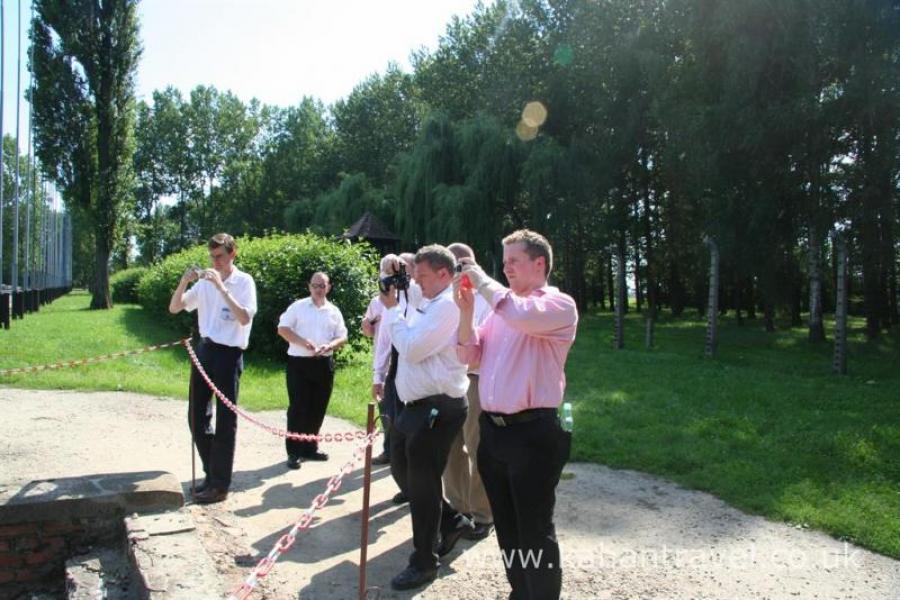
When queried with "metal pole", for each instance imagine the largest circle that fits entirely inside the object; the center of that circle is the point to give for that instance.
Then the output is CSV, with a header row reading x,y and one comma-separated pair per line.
x,y
68,250
2,93
15,250
367,484
30,193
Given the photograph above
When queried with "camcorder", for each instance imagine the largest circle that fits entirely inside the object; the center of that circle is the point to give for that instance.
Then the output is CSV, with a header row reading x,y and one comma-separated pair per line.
x,y
399,280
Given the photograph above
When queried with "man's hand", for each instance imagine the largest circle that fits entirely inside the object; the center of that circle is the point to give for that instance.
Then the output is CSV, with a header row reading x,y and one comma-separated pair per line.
x,y
389,299
463,296
480,280
475,273
213,276
393,264
377,391
190,275
321,350
368,327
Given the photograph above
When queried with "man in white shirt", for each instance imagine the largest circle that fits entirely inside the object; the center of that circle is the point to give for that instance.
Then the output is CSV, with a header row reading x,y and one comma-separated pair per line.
x,y
385,360
225,300
431,384
371,327
314,328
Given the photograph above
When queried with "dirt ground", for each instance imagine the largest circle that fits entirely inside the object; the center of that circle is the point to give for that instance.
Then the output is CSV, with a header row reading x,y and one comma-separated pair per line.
x,y
623,534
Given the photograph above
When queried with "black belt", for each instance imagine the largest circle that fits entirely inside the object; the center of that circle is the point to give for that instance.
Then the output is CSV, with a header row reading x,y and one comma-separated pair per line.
x,y
438,399
532,414
209,342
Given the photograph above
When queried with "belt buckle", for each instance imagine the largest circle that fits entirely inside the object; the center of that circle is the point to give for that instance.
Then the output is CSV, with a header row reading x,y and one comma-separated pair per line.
x,y
498,420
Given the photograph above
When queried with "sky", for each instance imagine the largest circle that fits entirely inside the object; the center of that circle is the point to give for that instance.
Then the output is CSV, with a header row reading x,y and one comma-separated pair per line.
x,y
274,50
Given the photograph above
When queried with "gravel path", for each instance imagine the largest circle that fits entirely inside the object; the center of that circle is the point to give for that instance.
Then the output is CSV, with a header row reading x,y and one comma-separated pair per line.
x,y
623,534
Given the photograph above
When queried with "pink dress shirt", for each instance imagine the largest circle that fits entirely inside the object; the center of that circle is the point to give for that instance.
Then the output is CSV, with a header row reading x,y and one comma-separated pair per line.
x,y
522,347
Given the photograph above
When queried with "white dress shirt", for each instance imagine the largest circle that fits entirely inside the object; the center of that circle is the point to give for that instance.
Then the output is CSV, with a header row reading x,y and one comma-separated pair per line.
x,y
318,324
381,360
426,343
214,316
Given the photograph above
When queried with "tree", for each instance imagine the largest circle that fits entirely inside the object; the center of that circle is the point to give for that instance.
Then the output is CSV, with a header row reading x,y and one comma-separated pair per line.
x,y
375,123
84,64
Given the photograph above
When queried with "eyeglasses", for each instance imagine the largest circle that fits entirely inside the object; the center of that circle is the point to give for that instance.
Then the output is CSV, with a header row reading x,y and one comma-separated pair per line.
x,y
318,286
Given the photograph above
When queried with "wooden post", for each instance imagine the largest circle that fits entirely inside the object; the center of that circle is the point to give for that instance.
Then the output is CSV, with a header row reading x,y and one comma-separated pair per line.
x,y
367,484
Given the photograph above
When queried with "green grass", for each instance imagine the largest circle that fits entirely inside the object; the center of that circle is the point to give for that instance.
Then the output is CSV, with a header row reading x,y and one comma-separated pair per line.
x,y
67,330
765,425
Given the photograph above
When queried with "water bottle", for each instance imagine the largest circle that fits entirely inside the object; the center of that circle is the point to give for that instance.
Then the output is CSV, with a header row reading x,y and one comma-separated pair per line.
x,y
567,422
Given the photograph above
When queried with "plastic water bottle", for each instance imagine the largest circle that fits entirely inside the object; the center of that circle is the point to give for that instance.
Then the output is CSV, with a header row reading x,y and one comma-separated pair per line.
x,y
567,422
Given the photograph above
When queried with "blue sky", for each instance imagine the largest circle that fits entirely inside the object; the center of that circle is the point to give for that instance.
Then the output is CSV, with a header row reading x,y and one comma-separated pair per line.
x,y
274,50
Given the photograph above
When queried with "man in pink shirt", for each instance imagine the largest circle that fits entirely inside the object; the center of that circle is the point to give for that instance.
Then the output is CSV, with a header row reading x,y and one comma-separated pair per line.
x,y
521,348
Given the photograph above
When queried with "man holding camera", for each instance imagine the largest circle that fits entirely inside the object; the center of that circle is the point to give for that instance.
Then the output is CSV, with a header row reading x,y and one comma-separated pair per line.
x,y
399,273
431,384
521,348
314,328
225,300
381,353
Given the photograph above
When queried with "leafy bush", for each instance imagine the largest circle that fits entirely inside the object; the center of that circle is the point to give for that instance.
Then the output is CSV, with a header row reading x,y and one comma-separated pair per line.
x,y
281,265
123,285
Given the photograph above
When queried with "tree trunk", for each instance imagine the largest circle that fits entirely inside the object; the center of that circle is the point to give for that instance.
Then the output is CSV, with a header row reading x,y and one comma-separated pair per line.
x,y
100,296
649,327
650,272
816,327
895,312
889,263
751,299
610,285
839,362
621,296
738,300
712,310
638,292
676,291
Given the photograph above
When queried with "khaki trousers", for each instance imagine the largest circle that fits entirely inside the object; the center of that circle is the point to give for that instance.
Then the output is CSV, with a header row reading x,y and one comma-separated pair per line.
x,y
462,482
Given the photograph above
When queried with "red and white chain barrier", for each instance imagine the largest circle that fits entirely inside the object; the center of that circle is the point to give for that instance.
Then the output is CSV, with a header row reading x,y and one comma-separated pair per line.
x,y
347,436
286,541
86,361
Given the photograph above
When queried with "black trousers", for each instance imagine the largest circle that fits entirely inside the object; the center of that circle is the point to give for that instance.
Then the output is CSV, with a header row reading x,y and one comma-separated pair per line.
x,y
215,446
309,384
419,449
520,465
389,406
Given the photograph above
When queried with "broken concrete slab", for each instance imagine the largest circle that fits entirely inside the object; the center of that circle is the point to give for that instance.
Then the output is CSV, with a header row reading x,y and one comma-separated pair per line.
x,y
113,494
170,562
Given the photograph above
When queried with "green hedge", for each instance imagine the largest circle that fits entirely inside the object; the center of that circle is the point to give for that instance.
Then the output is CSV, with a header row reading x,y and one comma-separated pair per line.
x,y
123,284
281,266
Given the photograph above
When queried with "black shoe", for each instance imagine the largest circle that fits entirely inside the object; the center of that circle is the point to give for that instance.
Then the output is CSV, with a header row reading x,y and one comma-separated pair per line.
x,y
411,577
210,496
293,462
201,486
317,456
480,531
461,527
381,459
400,498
